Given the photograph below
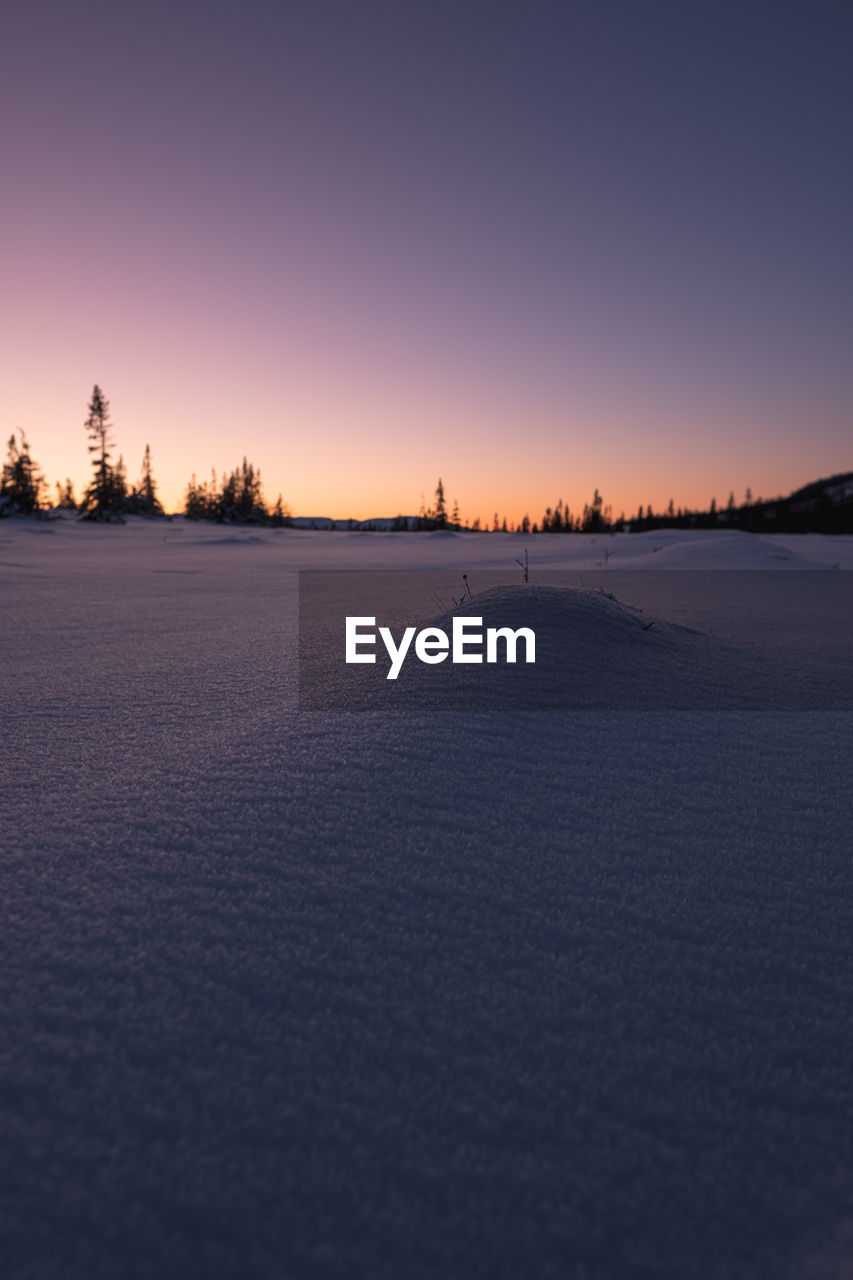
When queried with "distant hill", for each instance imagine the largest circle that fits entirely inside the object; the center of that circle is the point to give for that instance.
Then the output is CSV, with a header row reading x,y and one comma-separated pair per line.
x,y
824,506
837,490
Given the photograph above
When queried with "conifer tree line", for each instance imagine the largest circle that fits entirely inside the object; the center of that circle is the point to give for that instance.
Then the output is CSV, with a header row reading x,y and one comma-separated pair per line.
x,y
21,482
108,497
237,498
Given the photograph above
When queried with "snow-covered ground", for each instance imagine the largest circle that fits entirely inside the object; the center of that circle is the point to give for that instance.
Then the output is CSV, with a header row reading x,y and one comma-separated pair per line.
x,y
533,993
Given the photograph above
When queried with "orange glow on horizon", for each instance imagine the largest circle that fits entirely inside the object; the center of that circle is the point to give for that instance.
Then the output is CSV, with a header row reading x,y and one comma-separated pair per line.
x,y
353,472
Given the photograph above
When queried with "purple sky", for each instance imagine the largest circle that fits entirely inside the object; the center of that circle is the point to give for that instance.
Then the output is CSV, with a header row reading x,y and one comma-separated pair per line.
x,y
533,247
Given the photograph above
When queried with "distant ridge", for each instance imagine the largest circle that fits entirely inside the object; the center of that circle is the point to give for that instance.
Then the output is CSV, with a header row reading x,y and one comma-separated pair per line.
x,y
823,506
837,489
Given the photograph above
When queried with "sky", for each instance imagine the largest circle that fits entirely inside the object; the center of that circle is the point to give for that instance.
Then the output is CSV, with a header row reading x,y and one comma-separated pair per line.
x,y
533,248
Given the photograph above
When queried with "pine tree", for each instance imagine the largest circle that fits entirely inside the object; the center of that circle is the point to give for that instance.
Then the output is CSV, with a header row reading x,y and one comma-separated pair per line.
x,y
238,499
119,478
593,521
194,500
21,481
143,500
440,505
101,500
280,515
65,497
146,491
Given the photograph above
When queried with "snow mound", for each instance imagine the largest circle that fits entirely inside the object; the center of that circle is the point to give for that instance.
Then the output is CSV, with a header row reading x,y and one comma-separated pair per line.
x,y
724,549
234,541
593,652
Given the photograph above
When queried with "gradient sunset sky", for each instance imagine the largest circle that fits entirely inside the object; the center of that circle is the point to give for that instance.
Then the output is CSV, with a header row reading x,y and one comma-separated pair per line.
x,y
533,248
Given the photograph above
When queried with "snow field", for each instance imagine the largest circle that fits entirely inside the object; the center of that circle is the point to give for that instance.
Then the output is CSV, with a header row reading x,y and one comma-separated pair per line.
x,y
557,993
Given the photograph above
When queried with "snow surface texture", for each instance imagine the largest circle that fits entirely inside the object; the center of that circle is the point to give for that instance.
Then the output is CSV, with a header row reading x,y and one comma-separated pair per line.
x,y
499,995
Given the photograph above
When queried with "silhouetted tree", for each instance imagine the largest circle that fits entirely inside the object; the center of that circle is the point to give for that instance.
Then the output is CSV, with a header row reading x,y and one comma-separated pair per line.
x,y
103,498
65,497
440,516
237,500
194,504
280,515
119,478
143,501
593,521
21,481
